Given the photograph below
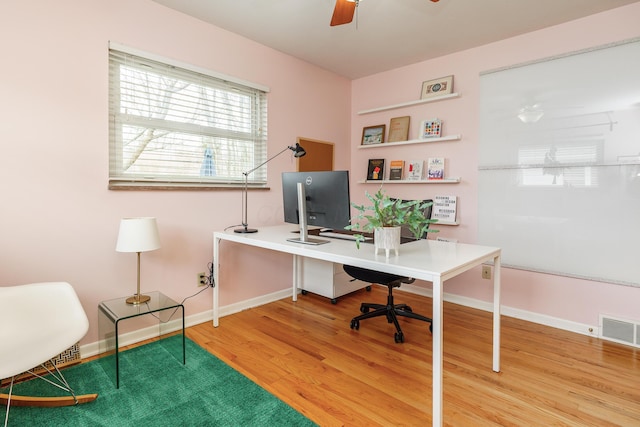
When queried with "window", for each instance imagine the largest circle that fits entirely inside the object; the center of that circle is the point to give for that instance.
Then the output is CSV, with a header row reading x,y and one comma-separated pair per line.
x,y
174,126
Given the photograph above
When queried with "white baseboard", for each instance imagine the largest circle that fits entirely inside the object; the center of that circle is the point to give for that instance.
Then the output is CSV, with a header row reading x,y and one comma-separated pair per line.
x,y
542,319
93,349
253,302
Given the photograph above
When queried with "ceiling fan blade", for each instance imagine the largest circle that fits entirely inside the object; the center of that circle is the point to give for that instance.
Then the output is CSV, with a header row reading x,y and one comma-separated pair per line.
x,y
343,12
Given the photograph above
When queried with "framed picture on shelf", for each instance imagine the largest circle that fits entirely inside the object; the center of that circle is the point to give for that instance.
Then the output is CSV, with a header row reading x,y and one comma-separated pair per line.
x,y
436,87
399,129
373,134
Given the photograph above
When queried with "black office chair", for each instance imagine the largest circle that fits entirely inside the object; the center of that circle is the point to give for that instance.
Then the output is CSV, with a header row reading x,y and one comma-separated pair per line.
x,y
390,310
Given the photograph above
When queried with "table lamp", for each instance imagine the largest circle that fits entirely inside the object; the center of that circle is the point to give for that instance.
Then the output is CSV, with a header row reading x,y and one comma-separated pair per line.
x,y
138,235
298,151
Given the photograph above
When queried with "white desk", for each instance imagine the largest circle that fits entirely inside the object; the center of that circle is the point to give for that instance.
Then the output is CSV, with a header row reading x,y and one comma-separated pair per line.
x,y
427,260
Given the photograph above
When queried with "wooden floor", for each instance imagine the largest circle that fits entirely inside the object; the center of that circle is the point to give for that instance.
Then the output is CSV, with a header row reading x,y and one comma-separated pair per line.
x,y
305,353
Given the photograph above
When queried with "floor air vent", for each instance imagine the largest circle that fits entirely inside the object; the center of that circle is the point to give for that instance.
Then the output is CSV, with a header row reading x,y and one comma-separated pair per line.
x,y
619,330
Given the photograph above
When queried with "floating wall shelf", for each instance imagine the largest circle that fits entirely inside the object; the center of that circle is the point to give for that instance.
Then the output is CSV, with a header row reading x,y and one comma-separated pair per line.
x,y
446,223
409,104
414,141
411,181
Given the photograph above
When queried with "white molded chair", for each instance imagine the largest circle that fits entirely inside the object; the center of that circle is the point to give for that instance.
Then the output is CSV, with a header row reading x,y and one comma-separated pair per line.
x,y
38,322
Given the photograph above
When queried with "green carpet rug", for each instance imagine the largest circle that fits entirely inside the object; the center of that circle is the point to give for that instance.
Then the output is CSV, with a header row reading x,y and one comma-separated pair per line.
x,y
158,390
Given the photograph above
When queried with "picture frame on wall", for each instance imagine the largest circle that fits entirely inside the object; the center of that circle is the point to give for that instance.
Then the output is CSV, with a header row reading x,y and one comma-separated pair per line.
x,y
437,87
373,134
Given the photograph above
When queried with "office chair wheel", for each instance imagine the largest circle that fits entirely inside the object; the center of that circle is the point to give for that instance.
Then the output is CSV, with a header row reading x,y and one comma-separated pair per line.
x,y
399,337
303,292
355,324
368,288
364,309
334,301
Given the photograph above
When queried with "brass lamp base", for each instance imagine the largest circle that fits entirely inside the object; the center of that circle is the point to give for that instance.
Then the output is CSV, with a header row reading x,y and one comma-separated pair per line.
x,y
138,299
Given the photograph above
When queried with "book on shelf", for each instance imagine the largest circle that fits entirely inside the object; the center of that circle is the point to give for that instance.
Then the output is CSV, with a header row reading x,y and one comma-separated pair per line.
x,y
444,209
375,170
431,128
414,170
435,168
399,129
396,170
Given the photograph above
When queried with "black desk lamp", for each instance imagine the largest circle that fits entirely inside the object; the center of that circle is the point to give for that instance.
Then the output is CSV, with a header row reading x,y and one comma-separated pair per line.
x,y
298,151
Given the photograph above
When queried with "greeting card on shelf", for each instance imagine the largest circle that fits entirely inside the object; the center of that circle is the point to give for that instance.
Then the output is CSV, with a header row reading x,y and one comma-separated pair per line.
x,y
431,128
375,170
396,170
444,209
435,168
414,170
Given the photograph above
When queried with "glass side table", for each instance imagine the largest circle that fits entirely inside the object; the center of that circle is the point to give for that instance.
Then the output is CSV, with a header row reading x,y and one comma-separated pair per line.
x,y
112,312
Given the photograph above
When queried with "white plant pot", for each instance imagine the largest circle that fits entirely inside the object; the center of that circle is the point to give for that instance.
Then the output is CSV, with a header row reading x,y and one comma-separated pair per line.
x,y
387,238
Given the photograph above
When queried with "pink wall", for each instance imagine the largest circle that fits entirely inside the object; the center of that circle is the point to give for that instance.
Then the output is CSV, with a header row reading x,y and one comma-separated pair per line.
x,y
58,221
559,297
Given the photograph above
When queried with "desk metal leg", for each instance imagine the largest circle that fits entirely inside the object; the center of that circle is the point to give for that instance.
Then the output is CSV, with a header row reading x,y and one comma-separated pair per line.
x,y
437,322
216,280
296,276
496,314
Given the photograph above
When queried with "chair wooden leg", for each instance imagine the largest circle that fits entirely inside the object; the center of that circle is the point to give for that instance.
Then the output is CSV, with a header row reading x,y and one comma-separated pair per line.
x,y
10,399
48,402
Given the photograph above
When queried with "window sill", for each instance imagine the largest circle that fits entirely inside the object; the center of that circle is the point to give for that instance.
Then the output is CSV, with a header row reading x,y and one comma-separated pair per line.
x,y
146,186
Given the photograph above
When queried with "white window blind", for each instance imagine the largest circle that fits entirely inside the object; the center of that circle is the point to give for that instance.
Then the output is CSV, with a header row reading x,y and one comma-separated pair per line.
x,y
172,126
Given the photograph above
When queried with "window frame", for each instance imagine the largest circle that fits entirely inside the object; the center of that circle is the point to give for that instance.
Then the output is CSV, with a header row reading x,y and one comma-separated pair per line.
x,y
254,139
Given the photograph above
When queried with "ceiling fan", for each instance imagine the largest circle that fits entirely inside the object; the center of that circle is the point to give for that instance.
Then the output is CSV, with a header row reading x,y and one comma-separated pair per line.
x,y
344,11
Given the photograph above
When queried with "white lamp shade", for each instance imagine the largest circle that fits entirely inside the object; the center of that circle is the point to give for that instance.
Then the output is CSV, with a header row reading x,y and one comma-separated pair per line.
x,y
138,235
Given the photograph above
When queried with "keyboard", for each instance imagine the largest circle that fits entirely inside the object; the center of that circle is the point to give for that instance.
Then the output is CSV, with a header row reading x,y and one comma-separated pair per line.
x,y
343,236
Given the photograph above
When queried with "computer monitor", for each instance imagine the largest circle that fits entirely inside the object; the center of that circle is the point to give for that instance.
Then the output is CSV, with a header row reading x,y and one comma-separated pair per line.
x,y
327,200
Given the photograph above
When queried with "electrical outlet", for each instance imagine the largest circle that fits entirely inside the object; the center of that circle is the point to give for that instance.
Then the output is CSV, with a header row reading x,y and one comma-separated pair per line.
x,y
202,279
486,272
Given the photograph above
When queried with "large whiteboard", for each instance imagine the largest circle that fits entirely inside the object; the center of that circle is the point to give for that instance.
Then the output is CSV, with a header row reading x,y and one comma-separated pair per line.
x,y
559,187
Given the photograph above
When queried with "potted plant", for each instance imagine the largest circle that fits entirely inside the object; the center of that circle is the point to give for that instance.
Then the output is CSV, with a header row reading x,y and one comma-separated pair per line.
x,y
385,217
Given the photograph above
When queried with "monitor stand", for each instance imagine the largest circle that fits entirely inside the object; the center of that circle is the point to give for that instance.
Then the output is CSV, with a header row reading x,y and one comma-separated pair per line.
x,y
302,221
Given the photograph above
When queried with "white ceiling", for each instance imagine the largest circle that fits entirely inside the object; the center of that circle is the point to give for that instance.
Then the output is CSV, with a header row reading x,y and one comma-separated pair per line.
x,y
386,34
